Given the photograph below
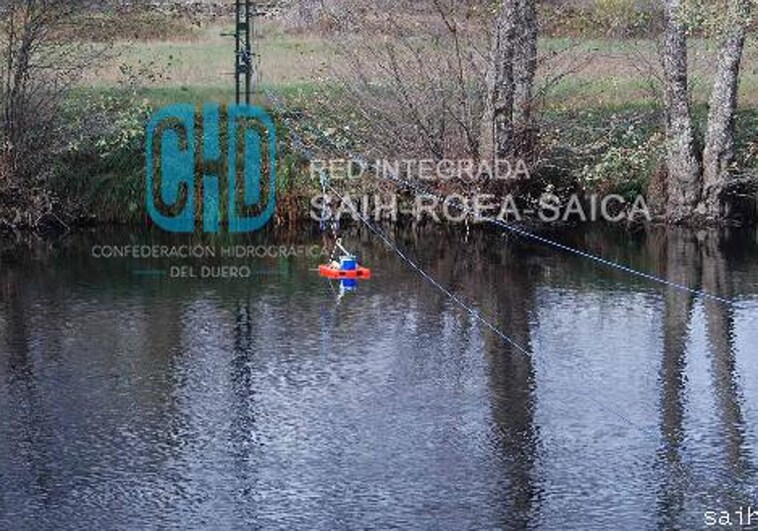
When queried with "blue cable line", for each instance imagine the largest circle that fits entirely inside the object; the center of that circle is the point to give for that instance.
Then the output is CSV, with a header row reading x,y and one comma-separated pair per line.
x,y
687,475
584,254
474,313
457,300
520,231
477,315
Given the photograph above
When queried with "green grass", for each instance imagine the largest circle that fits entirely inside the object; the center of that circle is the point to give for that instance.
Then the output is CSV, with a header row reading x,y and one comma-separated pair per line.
x,y
608,89
208,60
197,95
602,71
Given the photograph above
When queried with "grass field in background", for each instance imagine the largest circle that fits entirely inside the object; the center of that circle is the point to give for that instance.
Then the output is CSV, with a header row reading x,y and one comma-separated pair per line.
x,y
601,72
601,122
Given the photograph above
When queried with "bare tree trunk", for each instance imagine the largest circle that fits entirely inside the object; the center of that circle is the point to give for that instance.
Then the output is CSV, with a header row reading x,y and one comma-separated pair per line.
x,y
497,120
719,142
683,184
524,69
18,92
6,169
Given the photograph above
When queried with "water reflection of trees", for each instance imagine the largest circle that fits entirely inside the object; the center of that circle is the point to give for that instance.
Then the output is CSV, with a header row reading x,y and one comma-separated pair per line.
x,y
512,377
495,277
496,280
677,258
721,340
697,260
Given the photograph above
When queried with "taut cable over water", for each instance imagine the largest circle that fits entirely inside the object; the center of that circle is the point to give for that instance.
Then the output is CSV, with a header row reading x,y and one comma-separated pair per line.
x,y
688,476
512,228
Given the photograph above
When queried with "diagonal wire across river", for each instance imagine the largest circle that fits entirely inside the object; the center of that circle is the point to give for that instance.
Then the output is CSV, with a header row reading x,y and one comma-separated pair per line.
x,y
512,228
693,479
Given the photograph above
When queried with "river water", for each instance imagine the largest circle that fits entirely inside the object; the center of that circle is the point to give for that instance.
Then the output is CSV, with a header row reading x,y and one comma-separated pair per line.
x,y
130,399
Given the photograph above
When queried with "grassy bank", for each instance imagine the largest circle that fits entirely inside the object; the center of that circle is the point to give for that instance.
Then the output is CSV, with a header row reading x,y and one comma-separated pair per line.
x,y
596,71
600,124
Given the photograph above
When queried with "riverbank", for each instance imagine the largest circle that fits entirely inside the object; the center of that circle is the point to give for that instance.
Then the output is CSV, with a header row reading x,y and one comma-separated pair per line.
x,y
600,128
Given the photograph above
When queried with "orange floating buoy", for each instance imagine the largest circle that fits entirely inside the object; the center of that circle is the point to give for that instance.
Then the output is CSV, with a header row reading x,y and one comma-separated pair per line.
x,y
346,270
333,271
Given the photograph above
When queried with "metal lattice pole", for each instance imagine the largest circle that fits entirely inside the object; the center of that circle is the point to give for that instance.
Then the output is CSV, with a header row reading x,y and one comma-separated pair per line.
x,y
248,52
245,11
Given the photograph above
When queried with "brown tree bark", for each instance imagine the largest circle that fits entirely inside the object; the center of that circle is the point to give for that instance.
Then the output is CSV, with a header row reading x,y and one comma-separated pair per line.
x,y
719,143
497,120
683,183
524,63
524,69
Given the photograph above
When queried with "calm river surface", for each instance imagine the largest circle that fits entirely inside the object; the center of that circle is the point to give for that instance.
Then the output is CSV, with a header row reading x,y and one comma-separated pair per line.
x,y
133,400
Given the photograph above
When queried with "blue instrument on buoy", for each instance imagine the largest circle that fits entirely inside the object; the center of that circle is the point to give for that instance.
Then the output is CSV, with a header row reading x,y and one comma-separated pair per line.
x,y
346,270
348,263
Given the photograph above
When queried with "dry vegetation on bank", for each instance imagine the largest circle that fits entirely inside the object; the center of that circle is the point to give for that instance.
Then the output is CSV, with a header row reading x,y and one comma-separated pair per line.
x,y
598,90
